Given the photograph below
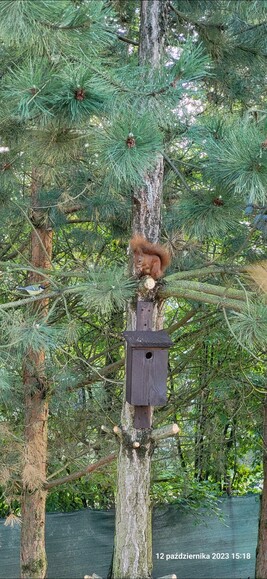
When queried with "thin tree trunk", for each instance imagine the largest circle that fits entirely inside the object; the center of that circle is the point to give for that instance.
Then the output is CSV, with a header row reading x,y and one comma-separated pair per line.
x,y
200,474
33,555
261,555
133,531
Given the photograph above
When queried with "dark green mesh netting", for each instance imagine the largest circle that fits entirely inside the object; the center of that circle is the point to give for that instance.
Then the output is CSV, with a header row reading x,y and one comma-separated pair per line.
x,y
81,543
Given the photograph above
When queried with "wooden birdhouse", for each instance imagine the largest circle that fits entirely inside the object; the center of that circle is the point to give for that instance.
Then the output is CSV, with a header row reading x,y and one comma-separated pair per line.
x,y
147,367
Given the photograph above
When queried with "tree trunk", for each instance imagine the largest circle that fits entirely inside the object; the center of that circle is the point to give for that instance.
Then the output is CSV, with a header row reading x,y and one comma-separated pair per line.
x,y
261,555
133,531
33,555
152,31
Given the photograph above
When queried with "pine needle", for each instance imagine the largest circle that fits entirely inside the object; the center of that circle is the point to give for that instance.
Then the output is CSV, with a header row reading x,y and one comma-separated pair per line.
x,y
12,520
258,272
32,478
5,475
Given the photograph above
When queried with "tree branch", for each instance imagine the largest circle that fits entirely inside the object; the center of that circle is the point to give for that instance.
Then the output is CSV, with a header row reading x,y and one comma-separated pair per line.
x,y
206,271
165,432
128,40
209,288
101,373
75,475
183,321
176,171
197,296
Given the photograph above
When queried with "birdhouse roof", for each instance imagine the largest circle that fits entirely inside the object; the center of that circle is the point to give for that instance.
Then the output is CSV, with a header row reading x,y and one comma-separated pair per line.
x,y
145,338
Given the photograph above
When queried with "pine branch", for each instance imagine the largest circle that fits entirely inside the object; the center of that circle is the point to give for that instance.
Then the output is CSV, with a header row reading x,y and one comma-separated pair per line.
x,y
183,289
186,19
128,40
249,28
250,50
102,373
14,253
225,292
183,321
76,475
220,27
176,171
197,296
189,20
164,89
44,295
205,271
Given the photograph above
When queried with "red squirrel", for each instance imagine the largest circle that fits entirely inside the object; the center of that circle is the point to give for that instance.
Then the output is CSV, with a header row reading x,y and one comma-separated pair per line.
x,y
149,258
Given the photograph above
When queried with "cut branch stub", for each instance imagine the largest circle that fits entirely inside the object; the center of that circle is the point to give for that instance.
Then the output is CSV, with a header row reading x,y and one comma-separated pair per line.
x,y
165,432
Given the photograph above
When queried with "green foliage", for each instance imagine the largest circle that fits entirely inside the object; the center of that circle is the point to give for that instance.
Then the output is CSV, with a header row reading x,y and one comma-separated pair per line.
x,y
75,98
192,63
128,145
213,126
20,19
56,27
5,380
205,214
95,493
24,332
190,494
108,290
27,89
250,326
238,163
6,506
54,145
110,206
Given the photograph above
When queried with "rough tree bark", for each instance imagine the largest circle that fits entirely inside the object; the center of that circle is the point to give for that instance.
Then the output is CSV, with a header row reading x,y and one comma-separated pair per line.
x,y
33,555
133,533
261,555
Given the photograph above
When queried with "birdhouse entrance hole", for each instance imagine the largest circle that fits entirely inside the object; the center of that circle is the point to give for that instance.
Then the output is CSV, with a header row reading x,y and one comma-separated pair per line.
x,y
149,355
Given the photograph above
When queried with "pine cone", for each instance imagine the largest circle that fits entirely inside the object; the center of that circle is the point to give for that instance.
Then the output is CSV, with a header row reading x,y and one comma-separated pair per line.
x,y
80,94
130,141
218,201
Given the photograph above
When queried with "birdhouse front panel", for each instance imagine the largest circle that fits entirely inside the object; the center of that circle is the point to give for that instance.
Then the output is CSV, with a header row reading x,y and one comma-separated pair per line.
x,y
147,367
150,377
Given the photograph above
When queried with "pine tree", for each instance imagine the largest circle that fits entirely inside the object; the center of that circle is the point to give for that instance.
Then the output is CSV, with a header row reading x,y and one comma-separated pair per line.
x,y
132,550
51,93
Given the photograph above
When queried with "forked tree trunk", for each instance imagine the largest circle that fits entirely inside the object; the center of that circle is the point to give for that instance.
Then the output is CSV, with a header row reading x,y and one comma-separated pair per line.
x,y
261,556
133,531
33,555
